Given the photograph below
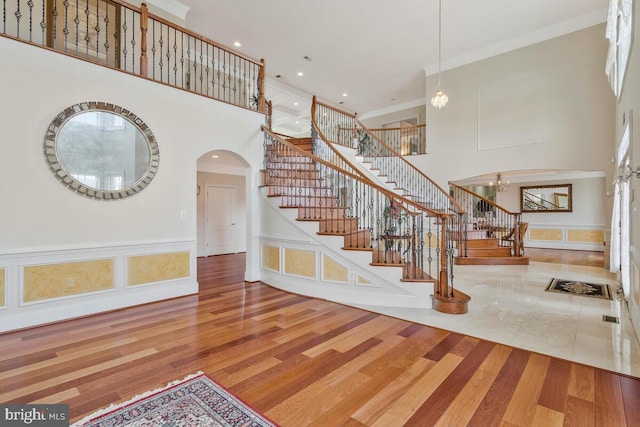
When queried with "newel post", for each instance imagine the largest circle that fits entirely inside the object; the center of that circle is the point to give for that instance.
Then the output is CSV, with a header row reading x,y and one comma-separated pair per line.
x,y
517,244
144,26
443,278
261,86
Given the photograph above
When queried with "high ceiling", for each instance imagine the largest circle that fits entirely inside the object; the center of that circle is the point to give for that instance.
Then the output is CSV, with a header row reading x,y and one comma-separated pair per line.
x,y
375,51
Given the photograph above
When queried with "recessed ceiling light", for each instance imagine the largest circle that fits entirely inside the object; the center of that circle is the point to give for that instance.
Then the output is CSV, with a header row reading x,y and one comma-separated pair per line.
x,y
344,94
215,156
300,74
307,58
237,44
297,122
278,76
296,103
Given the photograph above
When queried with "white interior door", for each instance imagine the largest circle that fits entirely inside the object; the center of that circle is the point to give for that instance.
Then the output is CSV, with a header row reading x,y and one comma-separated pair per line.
x,y
220,224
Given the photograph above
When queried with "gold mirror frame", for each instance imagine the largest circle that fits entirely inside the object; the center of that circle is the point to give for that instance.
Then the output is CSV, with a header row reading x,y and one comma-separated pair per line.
x,y
549,198
57,165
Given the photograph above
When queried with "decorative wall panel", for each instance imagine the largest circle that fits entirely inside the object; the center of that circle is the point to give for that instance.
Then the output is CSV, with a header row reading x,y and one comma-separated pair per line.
x,y
299,262
587,236
42,282
157,268
333,271
271,257
553,234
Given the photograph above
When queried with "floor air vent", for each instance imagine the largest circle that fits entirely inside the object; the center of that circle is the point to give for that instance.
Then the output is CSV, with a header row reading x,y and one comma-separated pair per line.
x,y
610,319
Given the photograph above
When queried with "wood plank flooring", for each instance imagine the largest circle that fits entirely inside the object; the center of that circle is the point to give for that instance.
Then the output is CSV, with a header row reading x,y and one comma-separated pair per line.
x,y
306,362
562,256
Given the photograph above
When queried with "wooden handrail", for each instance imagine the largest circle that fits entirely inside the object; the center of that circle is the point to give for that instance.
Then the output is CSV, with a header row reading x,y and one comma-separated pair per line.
x,y
400,128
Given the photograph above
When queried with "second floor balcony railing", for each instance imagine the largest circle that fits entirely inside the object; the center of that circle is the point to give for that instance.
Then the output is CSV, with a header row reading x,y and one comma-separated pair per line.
x,y
118,35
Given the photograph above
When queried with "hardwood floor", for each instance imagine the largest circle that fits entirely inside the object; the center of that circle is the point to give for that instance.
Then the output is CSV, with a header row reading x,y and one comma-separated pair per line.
x,y
303,361
561,256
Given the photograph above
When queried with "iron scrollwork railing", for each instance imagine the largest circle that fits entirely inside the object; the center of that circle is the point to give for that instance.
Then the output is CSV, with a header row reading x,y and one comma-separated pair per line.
x,y
118,35
485,219
406,141
344,129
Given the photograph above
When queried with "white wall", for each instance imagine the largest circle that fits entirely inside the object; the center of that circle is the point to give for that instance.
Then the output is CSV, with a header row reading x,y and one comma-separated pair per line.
x,y
585,211
577,119
40,216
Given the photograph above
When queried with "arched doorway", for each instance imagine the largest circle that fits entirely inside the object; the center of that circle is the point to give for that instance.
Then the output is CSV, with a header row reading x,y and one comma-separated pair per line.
x,y
222,213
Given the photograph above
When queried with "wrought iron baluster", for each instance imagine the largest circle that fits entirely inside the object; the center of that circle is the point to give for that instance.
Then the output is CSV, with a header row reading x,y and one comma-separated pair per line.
x,y
224,76
213,71
18,16
207,69
30,5
76,22
153,51
202,89
133,42
188,74
235,84
65,30
86,34
43,24
106,37
98,29
175,56
124,40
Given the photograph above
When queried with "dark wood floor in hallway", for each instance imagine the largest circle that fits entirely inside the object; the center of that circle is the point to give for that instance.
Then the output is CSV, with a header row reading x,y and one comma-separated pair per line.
x,y
304,361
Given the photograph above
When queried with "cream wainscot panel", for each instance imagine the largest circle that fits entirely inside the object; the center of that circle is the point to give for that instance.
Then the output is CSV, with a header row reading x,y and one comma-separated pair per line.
x,y
550,234
299,262
271,257
333,271
154,268
51,281
585,236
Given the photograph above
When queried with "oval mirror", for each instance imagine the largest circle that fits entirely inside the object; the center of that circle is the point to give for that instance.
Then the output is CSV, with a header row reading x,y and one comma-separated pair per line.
x,y
101,150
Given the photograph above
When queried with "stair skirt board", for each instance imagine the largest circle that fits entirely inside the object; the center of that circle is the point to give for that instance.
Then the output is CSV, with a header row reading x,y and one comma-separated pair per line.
x,y
416,296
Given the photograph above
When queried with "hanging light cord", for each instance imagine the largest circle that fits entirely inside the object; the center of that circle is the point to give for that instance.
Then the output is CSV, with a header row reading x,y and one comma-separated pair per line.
x,y
439,41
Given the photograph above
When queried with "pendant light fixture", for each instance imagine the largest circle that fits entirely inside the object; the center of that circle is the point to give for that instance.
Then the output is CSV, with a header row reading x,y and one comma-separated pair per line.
x,y
440,99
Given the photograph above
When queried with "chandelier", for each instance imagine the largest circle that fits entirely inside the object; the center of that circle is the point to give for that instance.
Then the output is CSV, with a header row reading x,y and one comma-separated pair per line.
x,y
440,99
500,185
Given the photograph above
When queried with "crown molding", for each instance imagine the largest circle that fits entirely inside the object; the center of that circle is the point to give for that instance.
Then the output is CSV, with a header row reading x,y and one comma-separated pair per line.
x,y
543,34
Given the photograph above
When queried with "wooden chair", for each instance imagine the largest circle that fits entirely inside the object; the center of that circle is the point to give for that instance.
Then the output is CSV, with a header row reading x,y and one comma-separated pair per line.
x,y
509,239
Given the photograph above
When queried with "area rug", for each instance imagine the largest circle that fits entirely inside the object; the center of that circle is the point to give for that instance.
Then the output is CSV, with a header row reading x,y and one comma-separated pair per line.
x,y
575,287
195,401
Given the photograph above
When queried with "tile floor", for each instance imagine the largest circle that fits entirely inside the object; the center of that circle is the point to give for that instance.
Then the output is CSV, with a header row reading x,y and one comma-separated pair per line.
x,y
509,305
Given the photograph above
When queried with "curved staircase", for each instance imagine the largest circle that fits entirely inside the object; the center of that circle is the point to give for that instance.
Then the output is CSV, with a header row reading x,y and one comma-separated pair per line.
x,y
346,204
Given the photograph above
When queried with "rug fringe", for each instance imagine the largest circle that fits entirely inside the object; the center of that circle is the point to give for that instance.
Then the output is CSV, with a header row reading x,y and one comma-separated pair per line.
x,y
115,406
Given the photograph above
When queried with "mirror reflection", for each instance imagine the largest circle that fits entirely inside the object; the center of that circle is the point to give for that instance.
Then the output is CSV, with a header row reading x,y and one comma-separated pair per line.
x,y
101,150
546,198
